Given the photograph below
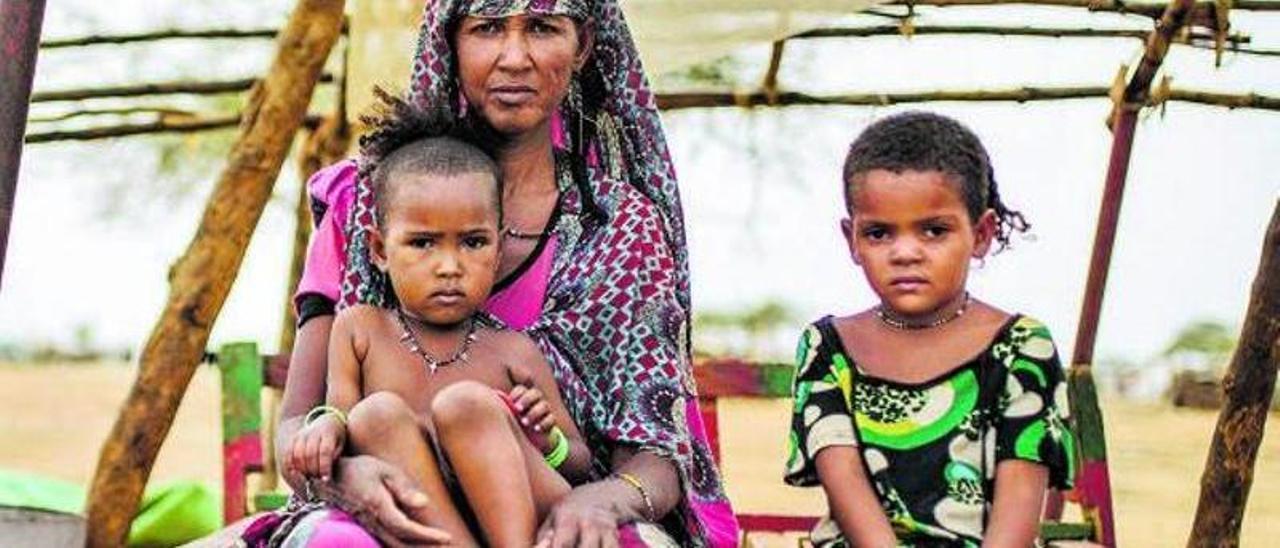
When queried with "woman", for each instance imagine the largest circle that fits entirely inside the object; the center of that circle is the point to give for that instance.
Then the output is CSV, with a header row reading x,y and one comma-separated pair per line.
x,y
594,268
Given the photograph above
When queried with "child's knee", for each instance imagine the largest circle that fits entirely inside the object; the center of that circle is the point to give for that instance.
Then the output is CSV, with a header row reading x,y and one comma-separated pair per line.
x,y
377,415
465,403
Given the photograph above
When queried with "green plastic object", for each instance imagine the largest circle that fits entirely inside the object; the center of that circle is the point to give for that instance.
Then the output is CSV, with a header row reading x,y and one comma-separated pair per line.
x,y
170,515
23,490
175,514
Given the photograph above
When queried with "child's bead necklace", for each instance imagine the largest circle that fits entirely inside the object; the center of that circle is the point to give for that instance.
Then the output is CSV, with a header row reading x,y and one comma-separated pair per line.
x,y
895,322
410,340
512,232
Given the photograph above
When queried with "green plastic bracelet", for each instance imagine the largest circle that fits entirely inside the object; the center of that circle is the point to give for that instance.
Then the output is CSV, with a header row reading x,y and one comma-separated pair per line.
x,y
560,452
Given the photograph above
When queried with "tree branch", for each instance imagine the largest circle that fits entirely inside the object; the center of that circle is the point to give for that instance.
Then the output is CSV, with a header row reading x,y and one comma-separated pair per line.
x,y
166,34
156,88
676,101
1046,32
164,124
1148,9
125,111
170,34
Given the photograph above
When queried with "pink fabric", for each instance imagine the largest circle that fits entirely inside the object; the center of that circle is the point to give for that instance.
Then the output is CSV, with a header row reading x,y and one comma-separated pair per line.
x,y
335,187
717,518
520,304
337,529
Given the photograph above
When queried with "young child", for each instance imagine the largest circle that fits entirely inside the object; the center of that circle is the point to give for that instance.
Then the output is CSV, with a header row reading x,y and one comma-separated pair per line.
x,y
933,418
434,385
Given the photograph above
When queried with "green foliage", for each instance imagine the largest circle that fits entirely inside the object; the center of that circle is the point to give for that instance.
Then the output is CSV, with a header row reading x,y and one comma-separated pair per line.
x,y
745,333
760,318
1205,337
719,73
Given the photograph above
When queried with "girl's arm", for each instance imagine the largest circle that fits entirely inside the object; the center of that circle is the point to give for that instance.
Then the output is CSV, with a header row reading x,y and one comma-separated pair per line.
x,y
577,467
1015,514
304,387
347,346
319,443
853,503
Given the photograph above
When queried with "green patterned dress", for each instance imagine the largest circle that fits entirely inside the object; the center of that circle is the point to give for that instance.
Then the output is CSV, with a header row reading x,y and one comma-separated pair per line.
x,y
930,449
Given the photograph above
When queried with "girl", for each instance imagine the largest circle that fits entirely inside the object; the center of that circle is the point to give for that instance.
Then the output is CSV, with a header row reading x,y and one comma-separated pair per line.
x,y
932,418
431,384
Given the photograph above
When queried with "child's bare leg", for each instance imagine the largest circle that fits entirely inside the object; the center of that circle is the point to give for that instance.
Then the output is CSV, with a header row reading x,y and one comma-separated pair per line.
x,y
384,426
507,485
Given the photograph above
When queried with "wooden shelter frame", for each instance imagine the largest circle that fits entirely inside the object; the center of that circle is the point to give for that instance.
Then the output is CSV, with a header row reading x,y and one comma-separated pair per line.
x,y
1199,25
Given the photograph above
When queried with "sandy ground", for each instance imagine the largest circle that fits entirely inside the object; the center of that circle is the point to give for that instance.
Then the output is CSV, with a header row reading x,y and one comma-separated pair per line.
x,y
54,418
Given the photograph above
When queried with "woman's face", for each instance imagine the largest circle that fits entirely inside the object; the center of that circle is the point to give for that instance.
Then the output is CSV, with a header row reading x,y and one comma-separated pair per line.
x,y
515,70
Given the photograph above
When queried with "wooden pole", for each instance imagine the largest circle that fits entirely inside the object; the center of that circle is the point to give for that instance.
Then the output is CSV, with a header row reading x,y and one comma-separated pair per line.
x,y
154,88
1094,482
20,22
1247,388
867,31
168,34
1026,94
164,124
1147,9
202,278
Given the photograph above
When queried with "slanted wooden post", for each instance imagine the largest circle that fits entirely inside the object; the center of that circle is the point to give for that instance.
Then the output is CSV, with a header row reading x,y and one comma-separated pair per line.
x,y
1248,387
20,22
202,278
1094,482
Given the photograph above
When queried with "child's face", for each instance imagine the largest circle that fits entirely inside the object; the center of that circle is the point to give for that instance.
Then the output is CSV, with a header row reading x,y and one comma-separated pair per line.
x,y
440,244
913,238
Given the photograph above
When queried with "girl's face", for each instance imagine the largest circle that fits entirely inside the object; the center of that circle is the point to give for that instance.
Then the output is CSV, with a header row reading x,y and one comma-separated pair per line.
x,y
439,244
913,238
516,70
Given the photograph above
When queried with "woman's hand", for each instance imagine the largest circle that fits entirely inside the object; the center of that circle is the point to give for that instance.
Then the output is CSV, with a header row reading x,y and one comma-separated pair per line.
x,y
377,495
585,518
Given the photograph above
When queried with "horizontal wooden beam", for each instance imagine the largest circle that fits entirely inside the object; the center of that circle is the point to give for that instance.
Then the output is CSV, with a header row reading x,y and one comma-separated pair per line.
x,y
1152,10
997,30
168,34
166,124
676,101
154,88
679,101
164,34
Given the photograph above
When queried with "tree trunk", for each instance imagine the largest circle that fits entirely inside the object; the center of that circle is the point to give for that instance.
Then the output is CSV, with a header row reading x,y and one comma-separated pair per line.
x,y
1248,388
20,23
202,278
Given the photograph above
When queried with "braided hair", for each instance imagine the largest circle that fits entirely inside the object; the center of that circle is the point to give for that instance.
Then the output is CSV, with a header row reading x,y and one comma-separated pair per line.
x,y
924,141
405,138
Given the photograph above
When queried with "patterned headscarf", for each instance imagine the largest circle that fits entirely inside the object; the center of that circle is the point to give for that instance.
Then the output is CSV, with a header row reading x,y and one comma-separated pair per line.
x,y
615,326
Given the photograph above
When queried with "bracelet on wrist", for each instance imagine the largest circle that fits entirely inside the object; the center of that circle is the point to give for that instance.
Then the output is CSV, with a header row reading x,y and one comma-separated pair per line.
x,y
323,410
638,485
560,448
